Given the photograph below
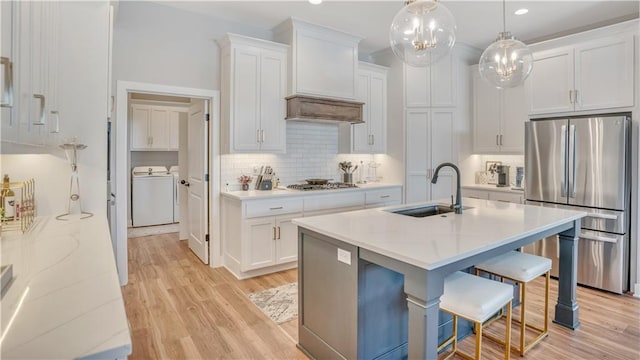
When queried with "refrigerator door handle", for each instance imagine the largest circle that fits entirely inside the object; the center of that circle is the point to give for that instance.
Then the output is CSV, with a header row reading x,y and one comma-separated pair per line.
x,y
598,238
563,157
572,161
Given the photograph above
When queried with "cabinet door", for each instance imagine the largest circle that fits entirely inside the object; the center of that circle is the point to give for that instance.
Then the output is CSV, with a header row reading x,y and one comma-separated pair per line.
x,y
158,128
486,115
8,114
173,133
475,194
550,81
273,87
604,73
361,141
443,150
245,113
140,116
443,82
287,239
417,161
514,115
416,82
505,197
378,112
259,246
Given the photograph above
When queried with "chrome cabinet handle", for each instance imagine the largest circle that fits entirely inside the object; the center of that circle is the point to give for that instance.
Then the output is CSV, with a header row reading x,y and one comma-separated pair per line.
x,y
501,140
258,136
273,233
42,104
575,97
570,96
56,116
276,208
7,87
262,135
497,142
384,196
278,237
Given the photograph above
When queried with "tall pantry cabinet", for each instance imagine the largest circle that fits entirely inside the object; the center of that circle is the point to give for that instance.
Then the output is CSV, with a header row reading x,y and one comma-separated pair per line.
x,y
433,101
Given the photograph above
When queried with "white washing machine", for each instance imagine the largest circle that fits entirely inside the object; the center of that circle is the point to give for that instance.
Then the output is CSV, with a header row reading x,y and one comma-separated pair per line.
x,y
151,196
175,171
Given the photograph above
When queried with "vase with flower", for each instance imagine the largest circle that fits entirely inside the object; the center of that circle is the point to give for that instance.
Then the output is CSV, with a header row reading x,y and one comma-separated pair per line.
x,y
245,180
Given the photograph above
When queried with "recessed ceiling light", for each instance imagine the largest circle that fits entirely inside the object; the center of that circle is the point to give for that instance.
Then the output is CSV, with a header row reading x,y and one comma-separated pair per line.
x,y
518,12
315,2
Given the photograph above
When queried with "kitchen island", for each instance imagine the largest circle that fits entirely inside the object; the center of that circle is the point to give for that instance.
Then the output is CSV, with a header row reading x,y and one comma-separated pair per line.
x,y
335,252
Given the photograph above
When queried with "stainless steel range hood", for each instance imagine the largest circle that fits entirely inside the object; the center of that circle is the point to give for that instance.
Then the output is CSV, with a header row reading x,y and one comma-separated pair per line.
x,y
318,109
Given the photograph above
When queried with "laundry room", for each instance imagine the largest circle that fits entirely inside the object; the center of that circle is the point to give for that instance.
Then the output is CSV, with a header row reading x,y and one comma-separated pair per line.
x,y
156,150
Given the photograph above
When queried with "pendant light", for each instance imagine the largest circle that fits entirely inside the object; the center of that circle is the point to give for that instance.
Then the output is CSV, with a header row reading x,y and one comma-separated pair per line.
x,y
422,32
507,62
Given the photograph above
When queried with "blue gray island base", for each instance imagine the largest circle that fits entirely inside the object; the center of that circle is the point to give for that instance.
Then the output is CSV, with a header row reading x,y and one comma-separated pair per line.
x,y
355,303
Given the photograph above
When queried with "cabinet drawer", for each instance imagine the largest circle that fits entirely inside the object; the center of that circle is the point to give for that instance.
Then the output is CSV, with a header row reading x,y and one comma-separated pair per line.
x,y
505,197
334,201
272,207
390,196
475,194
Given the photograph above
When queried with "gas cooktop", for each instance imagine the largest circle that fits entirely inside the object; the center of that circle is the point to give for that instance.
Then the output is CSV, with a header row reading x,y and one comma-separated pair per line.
x,y
327,186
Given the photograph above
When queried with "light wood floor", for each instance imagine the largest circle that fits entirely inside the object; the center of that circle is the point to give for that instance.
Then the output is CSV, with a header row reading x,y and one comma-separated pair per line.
x,y
179,308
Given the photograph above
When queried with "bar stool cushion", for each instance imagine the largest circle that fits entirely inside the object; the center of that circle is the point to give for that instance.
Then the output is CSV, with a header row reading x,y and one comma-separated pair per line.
x,y
517,266
473,297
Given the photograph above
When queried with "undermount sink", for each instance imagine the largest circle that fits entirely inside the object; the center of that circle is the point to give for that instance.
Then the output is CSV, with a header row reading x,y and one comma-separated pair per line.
x,y
424,211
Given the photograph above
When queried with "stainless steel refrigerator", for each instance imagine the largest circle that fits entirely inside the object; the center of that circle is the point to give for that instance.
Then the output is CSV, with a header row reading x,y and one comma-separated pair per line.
x,y
583,163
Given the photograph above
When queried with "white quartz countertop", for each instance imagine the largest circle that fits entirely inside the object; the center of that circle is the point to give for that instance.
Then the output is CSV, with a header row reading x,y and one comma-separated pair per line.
x,y
434,241
508,189
284,192
65,301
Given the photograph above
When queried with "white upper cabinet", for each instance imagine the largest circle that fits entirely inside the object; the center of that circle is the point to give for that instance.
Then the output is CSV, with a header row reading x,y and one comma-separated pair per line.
x,y
324,61
431,86
498,117
29,66
593,75
254,74
371,136
604,74
154,127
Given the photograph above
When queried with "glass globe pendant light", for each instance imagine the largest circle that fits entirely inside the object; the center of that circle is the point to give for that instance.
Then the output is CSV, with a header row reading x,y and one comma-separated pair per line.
x,y
422,32
507,62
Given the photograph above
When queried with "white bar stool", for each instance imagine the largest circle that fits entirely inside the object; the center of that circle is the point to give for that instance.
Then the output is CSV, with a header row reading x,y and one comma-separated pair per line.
x,y
475,299
522,268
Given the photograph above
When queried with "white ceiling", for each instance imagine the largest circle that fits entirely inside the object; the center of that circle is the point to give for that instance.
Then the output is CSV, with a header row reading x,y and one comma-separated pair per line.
x,y
478,21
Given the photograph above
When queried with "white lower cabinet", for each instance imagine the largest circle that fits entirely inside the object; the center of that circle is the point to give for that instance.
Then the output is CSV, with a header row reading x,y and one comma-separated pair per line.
x,y
270,241
503,196
259,237
383,197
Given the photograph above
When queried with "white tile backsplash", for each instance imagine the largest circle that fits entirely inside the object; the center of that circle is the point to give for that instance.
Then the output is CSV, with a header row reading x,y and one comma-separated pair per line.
x,y
312,152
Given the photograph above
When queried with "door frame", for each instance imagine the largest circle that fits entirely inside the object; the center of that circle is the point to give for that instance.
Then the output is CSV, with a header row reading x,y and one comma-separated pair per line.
x,y
123,88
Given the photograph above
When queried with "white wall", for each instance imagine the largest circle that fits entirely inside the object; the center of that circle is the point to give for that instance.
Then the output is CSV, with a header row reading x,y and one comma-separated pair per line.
x,y
82,100
154,43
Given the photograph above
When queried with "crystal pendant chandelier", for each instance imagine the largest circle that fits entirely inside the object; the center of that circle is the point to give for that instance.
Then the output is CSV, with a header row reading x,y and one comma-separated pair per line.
x,y
422,32
507,62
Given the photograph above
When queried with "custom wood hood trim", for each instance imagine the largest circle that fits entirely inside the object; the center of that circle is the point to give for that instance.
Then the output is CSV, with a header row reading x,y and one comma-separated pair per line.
x,y
316,109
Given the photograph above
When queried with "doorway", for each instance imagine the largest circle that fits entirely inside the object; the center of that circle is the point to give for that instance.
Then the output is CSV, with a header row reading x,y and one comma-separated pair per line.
x,y
201,178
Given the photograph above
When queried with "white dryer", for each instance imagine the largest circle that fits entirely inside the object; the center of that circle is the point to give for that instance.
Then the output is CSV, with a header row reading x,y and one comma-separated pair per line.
x,y
151,196
175,171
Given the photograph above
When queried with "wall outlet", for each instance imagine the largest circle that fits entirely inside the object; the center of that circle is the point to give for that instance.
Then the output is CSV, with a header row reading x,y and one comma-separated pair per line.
x,y
344,256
